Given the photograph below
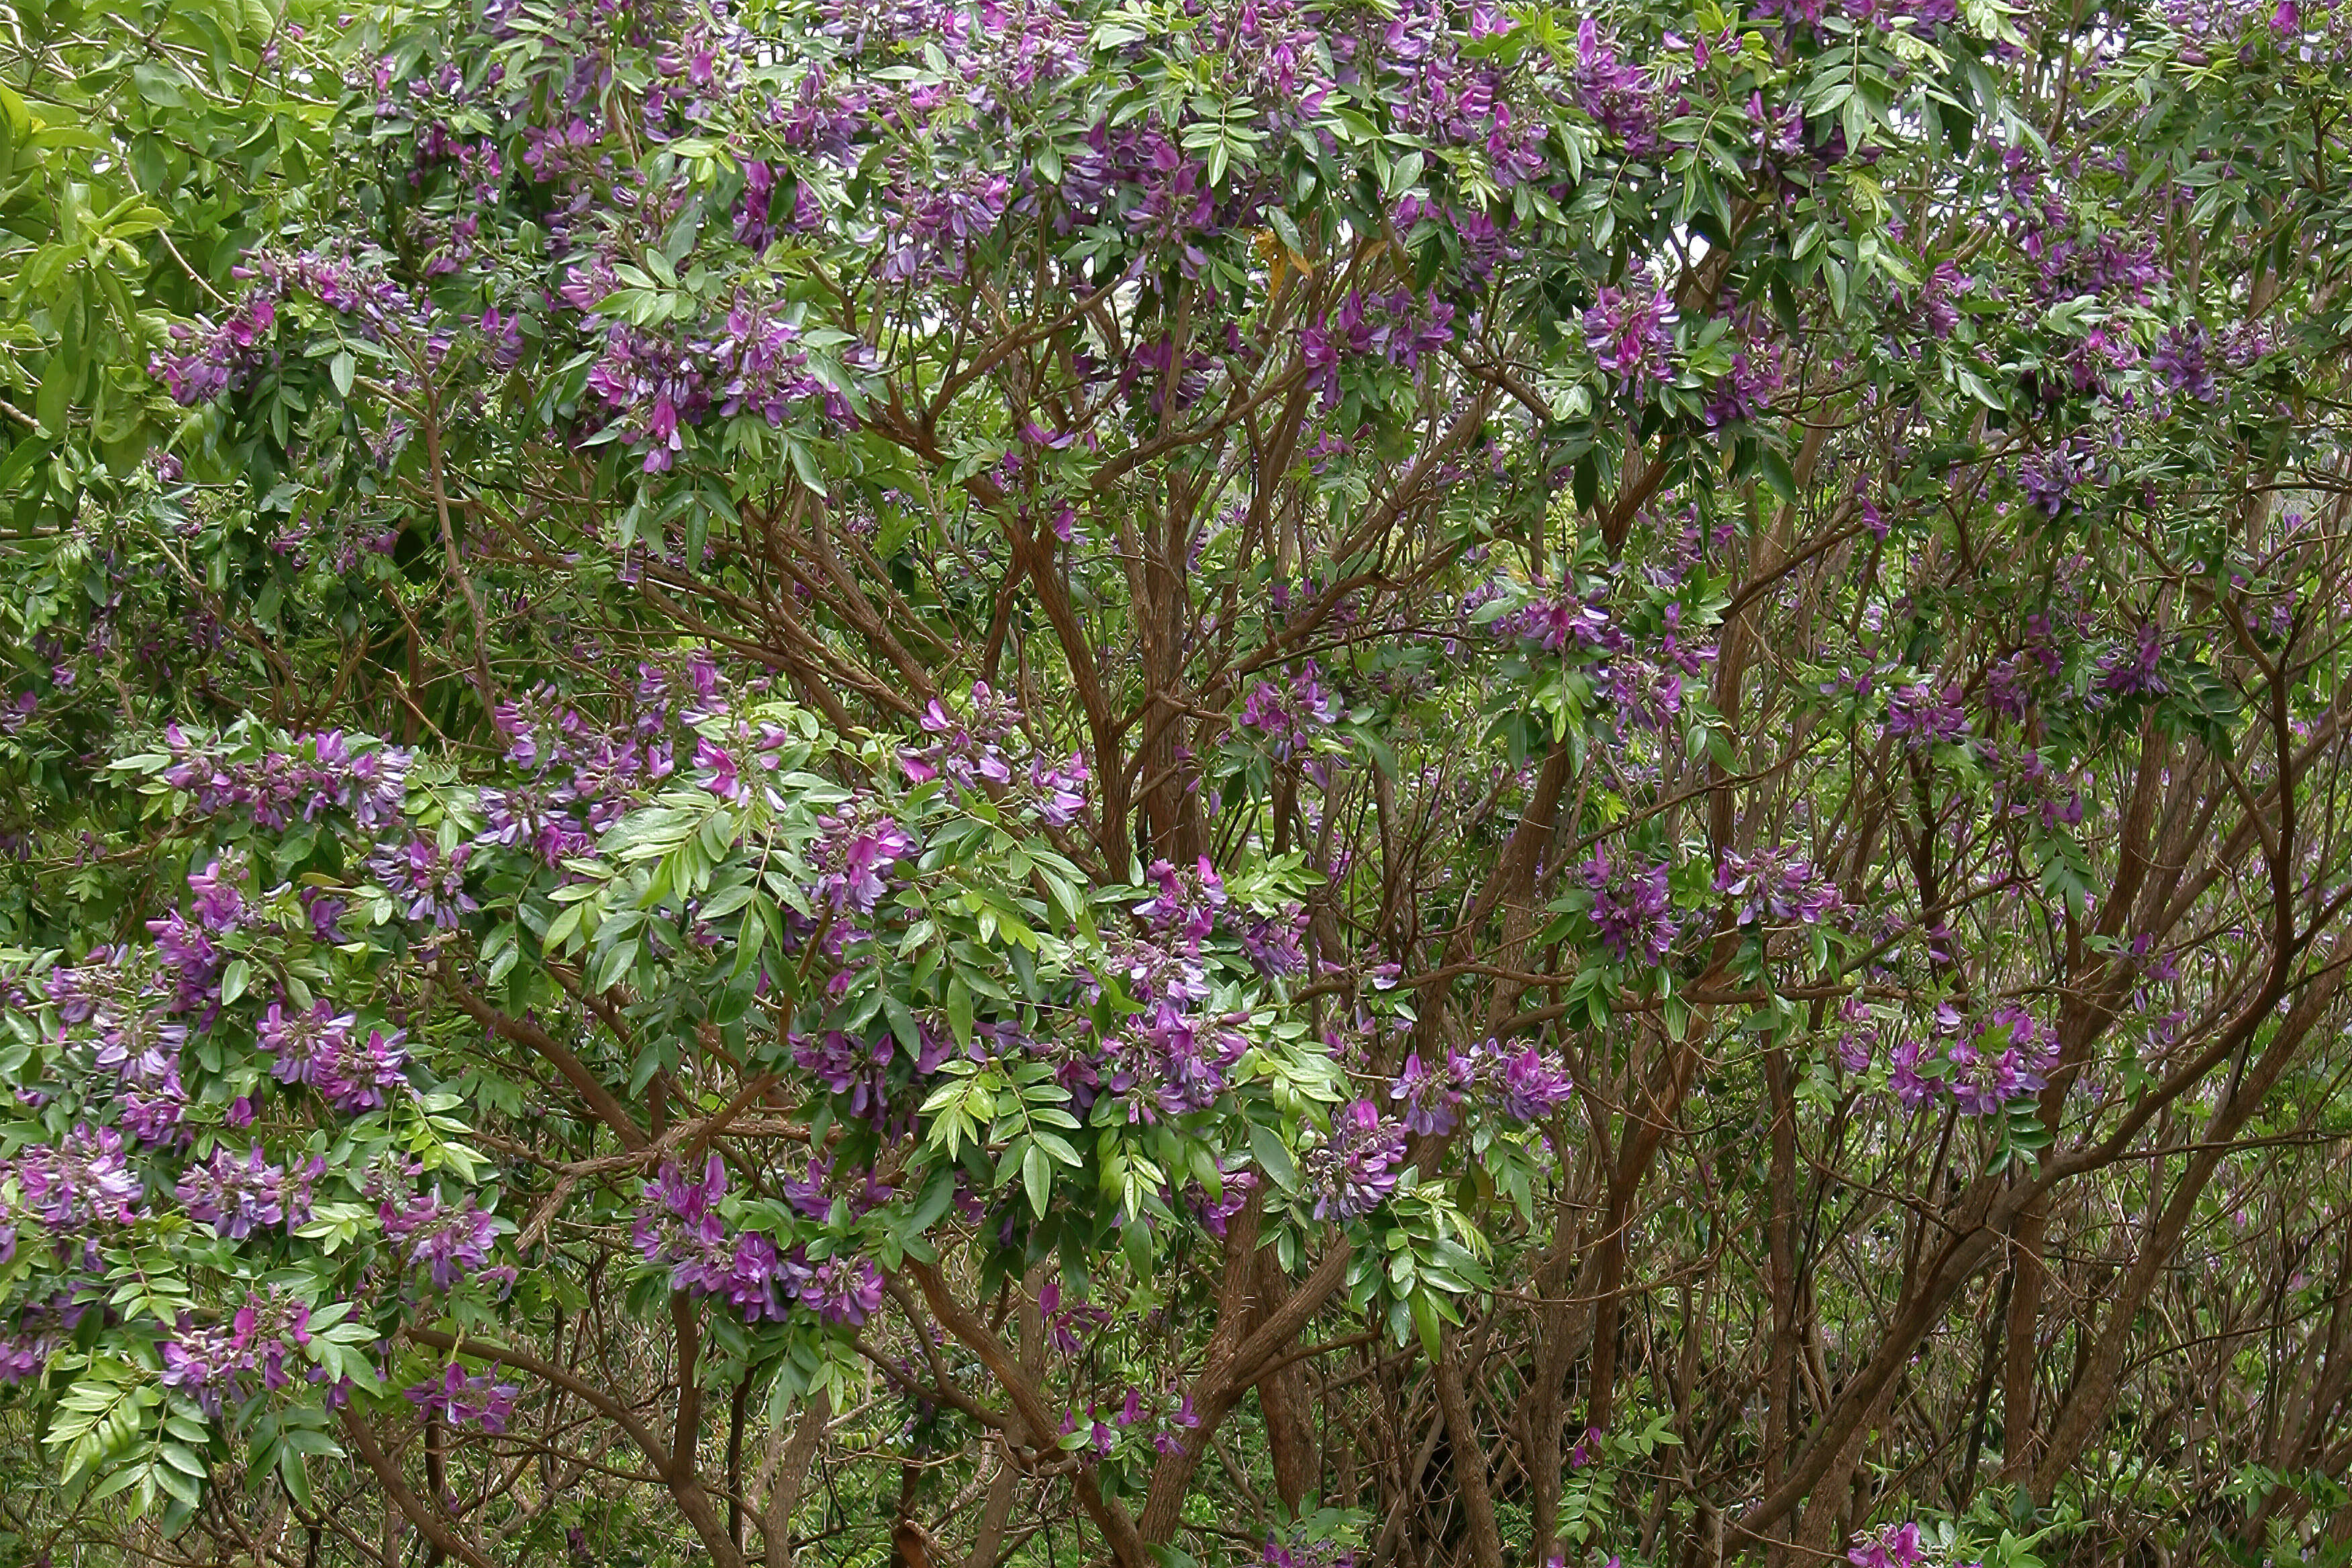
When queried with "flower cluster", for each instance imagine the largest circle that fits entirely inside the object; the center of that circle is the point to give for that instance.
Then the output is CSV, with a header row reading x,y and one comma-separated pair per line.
x,y
732,764
1740,394
463,1399
1630,333
1622,98
209,1363
1888,1546
1355,1170
109,1004
2183,361
854,1066
238,1196
971,751
322,1047
2133,672
1777,885
427,881
2006,1056
1291,710
1631,908
1560,619
83,1181
680,1226
2051,476
34,1333
1524,1086
1168,1057
760,220
298,780
1398,329
1920,715
587,774
1068,1324
221,359
656,387
852,859
450,1242
1167,1415
1302,1553
1275,944
1986,1063
217,359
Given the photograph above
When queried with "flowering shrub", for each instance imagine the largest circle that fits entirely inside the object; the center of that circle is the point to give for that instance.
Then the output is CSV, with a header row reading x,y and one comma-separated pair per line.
x,y
1160,781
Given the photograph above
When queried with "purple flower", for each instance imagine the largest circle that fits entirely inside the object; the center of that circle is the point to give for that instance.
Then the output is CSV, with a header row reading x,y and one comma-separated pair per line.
x,y
680,1227
1858,1042
1581,1454
1776,885
269,1327
2134,673
152,1114
1740,396
1888,1546
527,818
2183,361
1059,789
1291,710
859,845
1430,1097
467,1400
850,1065
298,1042
1560,619
207,1363
2007,1056
431,882
1631,908
34,1332
310,775
1165,1061
2049,478
188,951
1933,305
1399,328
1530,1089
84,1180
220,905
1630,334
1355,1170
237,1196
361,1076
1911,1087
1186,905
966,750
449,1244
1275,944
843,1290
1235,1188
1621,97
223,358
1522,1086
1919,716
1303,1553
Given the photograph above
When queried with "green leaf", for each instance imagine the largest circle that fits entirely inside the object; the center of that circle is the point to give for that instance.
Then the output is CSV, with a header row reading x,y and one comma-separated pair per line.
x,y
1273,1157
958,1008
1037,1176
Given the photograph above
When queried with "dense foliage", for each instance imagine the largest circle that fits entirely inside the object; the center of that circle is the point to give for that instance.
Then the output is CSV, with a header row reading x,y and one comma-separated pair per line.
x,y
1171,782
